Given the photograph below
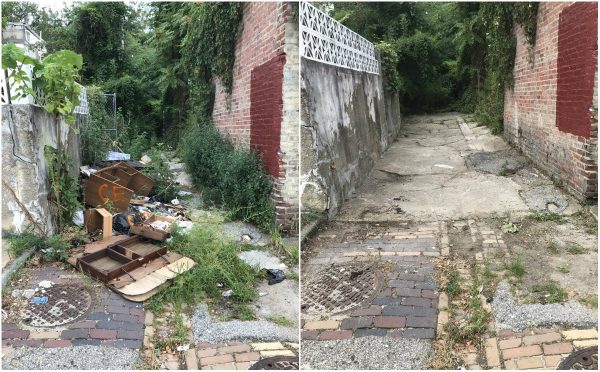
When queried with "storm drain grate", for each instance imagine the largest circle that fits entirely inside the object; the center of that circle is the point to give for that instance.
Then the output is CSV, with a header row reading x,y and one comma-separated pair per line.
x,y
339,288
277,363
65,304
582,359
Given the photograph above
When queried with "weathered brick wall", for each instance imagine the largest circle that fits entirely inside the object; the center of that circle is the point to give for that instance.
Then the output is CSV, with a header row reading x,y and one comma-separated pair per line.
x,y
551,112
260,109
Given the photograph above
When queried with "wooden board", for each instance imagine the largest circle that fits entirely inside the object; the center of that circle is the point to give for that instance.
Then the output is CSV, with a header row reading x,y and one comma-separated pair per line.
x,y
155,279
98,219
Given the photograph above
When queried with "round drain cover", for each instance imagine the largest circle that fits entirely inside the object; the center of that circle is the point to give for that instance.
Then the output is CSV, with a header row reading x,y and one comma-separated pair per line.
x,y
339,288
65,304
582,359
276,362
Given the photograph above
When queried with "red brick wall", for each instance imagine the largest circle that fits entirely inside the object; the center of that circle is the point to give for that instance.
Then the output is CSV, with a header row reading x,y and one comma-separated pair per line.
x,y
261,39
266,103
259,112
577,61
548,110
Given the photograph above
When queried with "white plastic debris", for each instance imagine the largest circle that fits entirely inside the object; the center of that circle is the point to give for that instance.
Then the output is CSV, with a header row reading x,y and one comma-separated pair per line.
x,y
184,193
78,217
227,293
185,224
145,159
45,284
17,293
175,201
114,155
28,293
219,285
262,294
183,347
246,238
160,225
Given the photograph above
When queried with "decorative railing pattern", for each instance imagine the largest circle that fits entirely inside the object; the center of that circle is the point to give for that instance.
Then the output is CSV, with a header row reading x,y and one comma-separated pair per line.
x,y
326,40
82,108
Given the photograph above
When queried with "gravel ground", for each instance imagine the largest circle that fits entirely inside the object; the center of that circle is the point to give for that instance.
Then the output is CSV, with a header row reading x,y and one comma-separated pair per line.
x,y
206,329
539,197
365,353
510,315
77,358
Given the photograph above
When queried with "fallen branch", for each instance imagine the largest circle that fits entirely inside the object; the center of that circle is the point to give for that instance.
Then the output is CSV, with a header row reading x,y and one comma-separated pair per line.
x,y
24,209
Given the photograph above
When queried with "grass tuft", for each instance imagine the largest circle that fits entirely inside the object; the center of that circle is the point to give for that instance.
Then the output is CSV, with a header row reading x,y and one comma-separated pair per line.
x,y
549,293
576,249
546,216
216,262
516,267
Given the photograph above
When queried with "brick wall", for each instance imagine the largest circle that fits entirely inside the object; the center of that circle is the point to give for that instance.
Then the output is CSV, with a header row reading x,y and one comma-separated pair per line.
x,y
551,112
259,111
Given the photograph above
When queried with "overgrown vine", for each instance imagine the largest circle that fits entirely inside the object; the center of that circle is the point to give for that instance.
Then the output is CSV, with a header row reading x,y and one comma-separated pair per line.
x,y
56,77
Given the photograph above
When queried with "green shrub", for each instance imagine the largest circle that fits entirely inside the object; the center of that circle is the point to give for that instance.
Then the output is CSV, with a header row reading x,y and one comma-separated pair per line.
x,y
231,177
54,248
158,169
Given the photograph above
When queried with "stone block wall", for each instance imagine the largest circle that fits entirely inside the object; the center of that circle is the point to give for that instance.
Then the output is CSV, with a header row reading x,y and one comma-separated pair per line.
x,y
347,121
551,112
26,130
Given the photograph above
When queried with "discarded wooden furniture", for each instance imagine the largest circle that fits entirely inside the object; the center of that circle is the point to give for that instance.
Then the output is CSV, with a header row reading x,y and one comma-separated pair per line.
x,y
119,259
146,229
98,219
116,185
142,282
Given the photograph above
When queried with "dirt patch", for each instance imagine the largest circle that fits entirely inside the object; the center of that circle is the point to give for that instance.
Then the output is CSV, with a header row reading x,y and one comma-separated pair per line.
x,y
551,251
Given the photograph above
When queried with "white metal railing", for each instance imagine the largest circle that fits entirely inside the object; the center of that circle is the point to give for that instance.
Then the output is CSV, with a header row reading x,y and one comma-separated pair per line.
x,y
39,99
326,40
4,93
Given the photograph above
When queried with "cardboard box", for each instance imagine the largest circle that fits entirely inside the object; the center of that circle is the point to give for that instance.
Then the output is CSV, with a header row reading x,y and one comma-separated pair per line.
x,y
96,219
146,230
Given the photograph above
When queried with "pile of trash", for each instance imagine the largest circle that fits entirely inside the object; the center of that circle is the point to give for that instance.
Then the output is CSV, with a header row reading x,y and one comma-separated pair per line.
x,y
119,201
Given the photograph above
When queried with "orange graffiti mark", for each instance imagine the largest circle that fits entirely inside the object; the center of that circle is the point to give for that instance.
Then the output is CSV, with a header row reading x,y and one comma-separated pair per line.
x,y
116,193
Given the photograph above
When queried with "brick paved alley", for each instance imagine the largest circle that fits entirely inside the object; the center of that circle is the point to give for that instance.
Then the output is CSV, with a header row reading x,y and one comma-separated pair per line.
x,y
435,203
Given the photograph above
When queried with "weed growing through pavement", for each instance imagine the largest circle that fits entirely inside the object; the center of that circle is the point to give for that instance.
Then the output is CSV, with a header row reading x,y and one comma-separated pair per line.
x,y
548,293
591,301
516,267
546,216
553,247
564,269
218,269
510,227
453,287
576,249
584,219
281,320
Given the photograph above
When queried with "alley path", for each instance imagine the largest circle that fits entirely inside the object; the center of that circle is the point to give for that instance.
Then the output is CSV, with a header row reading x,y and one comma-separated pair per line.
x,y
371,298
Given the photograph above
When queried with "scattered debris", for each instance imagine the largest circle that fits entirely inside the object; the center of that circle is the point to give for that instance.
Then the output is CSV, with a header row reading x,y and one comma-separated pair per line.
x,y
39,300
227,293
46,284
28,293
275,276
183,347
114,155
145,159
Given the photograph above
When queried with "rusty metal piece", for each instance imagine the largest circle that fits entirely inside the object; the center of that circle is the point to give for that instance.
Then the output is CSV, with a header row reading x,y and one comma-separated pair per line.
x,y
65,304
582,359
340,288
277,363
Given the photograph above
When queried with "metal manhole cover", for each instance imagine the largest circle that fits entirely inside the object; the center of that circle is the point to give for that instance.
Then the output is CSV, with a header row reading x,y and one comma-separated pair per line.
x,y
65,304
276,363
582,359
339,288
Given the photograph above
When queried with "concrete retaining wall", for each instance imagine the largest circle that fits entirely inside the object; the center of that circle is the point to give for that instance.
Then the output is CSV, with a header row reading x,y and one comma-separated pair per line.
x,y
347,123
26,129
